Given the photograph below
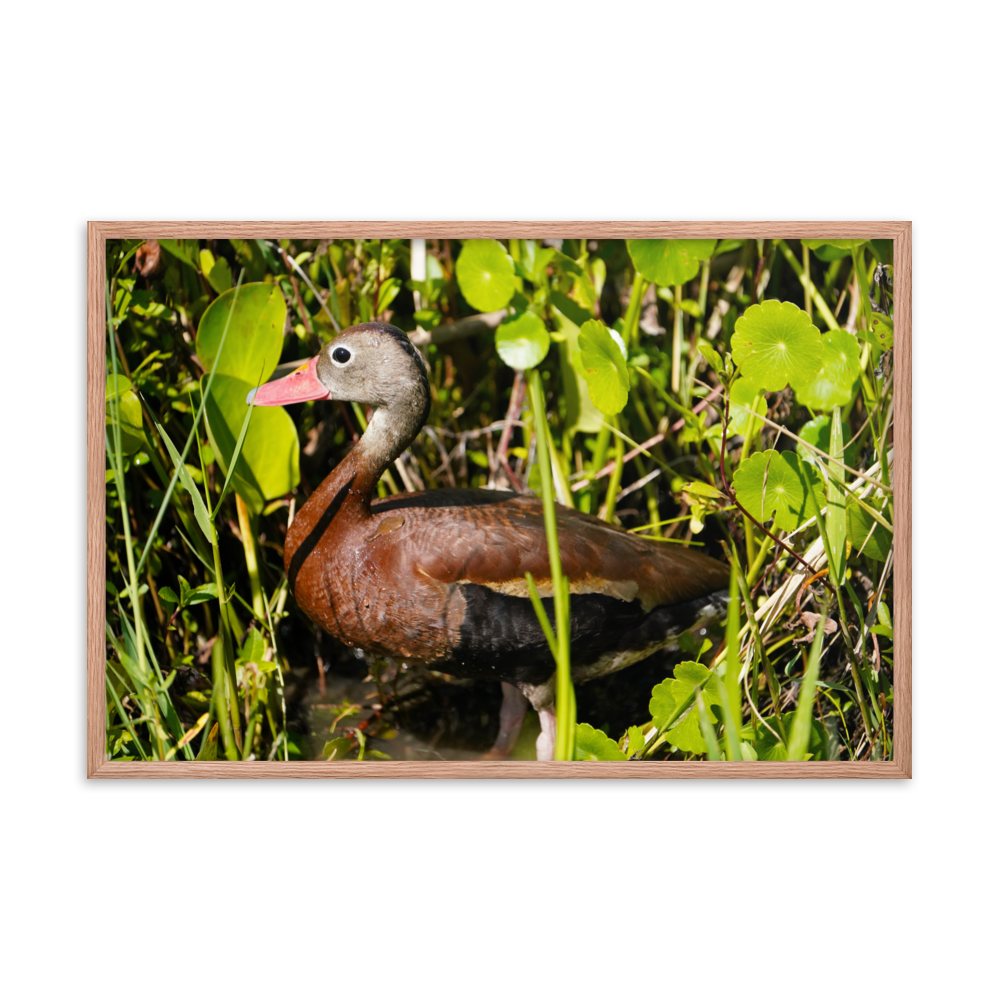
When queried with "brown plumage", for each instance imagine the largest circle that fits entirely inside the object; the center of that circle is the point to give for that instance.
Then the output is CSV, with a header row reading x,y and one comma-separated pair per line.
x,y
439,577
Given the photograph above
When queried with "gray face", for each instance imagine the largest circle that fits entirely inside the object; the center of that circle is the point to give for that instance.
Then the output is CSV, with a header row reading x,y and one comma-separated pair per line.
x,y
368,364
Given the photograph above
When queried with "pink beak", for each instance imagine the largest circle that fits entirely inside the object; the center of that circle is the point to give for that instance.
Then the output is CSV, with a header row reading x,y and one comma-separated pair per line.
x,y
300,386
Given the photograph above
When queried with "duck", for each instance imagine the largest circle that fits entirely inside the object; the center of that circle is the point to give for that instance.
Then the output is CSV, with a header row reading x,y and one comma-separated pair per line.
x,y
437,578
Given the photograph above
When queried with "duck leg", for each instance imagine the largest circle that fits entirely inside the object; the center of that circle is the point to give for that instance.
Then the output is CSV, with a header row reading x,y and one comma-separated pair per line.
x,y
543,701
545,745
512,713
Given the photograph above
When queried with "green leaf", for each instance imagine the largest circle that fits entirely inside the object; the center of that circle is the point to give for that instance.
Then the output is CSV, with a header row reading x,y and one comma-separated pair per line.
x,y
769,747
485,275
184,478
635,740
336,749
603,367
741,399
388,290
581,414
254,647
711,355
839,244
833,384
168,595
210,749
268,465
881,334
780,484
129,414
696,488
220,277
817,432
256,332
828,254
672,698
859,524
776,343
836,512
522,341
669,262
198,595
177,249
592,744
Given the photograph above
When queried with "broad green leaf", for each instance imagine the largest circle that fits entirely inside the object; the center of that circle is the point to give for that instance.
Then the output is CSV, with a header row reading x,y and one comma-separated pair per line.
x,y
833,384
129,414
828,254
522,341
839,244
198,595
859,525
775,343
180,250
741,399
388,291
485,275
836,505
256,332
780,484
592,744
268,465
581,414
336,749
677,695
603,367
669,262
634,740
254,647
817,432
168,595
220,277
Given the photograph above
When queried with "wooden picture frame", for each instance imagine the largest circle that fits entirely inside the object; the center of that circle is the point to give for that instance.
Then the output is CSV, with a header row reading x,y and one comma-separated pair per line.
x,y
98,766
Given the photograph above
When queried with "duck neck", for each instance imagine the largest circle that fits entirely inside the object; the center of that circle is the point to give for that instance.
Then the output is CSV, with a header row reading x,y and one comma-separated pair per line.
x,y
354,481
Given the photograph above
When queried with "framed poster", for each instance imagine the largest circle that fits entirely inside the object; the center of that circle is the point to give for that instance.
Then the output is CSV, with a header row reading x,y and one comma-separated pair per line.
x,y
499,499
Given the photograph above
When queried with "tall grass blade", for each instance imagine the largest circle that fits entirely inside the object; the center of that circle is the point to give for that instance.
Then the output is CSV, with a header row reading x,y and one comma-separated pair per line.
x,y
236,451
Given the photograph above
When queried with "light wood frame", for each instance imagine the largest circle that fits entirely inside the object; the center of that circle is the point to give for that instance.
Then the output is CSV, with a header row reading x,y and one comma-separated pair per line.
x,y
901,767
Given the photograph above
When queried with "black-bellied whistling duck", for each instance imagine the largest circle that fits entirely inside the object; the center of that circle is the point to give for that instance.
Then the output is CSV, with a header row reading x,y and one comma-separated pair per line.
x,y
438,578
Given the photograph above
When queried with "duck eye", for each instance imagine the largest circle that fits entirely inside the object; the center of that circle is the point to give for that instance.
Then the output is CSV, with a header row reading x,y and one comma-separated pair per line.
x,y
342,355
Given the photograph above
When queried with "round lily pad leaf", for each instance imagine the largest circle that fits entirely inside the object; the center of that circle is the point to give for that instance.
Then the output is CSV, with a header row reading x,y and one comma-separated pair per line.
x,y
669,262
776,343
256,332
780,484
522,341
129,414
874,543
817,432
603,367
485,275
268,465
741,399
833,384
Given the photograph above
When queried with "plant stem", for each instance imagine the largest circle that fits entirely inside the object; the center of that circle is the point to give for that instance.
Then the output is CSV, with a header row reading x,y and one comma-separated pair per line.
x,y
565,696
615,482
822,308
248,532
675,363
